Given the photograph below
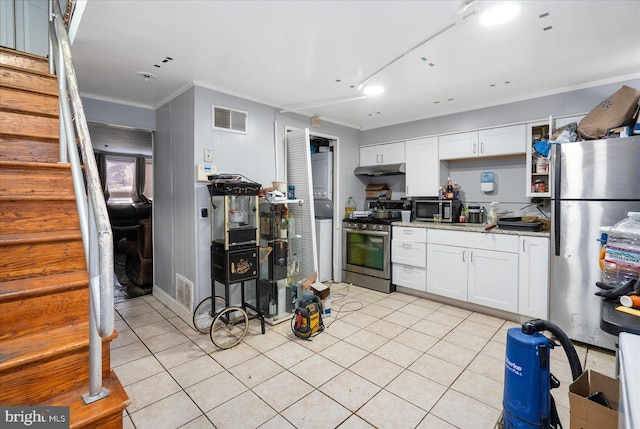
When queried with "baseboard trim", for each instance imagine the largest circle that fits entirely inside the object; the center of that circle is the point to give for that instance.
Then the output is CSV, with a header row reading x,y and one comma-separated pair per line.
x,y
173,304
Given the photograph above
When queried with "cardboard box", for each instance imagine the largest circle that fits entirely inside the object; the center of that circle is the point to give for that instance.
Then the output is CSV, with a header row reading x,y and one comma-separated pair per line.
x,y
378,190
587,414
318,288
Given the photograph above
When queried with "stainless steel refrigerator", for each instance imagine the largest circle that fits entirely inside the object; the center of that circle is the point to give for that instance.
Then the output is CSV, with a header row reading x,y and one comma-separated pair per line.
x,y
594,183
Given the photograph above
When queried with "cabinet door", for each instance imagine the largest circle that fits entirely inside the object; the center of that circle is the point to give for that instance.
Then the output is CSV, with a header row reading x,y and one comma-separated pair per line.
x,y
502,141
533,277
447,271
369,155
392,153
457,146
493,279
422,176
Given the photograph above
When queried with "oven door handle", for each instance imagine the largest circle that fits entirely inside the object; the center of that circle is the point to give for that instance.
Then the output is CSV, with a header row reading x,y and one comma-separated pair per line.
x,y
365,232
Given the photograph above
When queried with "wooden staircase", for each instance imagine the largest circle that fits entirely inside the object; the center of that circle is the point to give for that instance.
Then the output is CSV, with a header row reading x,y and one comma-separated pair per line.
x,y
44,299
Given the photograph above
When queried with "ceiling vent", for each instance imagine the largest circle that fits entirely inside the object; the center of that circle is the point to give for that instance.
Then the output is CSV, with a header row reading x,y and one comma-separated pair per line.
x,y
228,119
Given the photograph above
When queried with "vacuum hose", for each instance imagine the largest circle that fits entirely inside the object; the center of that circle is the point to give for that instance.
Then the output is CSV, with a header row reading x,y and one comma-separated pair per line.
x,y
539,325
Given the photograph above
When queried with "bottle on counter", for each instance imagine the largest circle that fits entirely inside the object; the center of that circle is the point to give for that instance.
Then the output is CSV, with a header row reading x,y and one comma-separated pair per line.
x,y
622,251
456,191
349,208
449,189
273,308
295,265
284,222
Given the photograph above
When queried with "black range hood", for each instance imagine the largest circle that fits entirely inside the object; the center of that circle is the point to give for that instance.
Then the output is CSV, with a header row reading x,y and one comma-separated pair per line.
x,y
380,170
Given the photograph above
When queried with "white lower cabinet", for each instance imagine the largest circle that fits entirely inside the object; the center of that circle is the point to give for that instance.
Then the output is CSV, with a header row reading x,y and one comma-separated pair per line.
x,y
533,277
474,267
409,257
447,271
493,279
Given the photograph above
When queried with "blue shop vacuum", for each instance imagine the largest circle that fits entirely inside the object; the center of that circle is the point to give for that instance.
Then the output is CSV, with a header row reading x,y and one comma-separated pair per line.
x,y
527,401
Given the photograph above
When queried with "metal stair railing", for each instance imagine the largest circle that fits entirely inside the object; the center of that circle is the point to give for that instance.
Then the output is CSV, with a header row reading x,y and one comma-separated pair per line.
x,y
97,237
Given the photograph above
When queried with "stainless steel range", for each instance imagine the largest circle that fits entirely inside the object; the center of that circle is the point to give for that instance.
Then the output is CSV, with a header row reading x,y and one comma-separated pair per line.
x,y
366,248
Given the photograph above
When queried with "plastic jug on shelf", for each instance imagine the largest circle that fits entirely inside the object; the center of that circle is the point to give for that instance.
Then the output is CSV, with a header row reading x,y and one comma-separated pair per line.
x,y
622,251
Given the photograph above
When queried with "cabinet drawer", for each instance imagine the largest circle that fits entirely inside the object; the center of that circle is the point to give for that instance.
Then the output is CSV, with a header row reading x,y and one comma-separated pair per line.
x,y
409,252
409,276
418,235
477,240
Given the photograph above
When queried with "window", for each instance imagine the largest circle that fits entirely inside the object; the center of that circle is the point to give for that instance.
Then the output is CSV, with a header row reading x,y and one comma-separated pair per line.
x,y
121,174
148,180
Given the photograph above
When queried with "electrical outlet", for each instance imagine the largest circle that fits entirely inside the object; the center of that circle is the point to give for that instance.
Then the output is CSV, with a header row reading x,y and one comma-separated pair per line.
x,y
204,212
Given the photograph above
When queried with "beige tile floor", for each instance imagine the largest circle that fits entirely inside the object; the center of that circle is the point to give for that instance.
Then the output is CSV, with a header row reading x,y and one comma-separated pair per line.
x,y
384,361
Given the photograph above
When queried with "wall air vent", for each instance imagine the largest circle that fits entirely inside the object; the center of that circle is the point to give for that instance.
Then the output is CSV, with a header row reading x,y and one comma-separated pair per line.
x,y
184,292
228,119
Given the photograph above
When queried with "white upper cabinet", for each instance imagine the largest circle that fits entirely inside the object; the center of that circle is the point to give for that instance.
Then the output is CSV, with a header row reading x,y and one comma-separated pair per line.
x,y
491,142
458,146
423,170
502,141
389,153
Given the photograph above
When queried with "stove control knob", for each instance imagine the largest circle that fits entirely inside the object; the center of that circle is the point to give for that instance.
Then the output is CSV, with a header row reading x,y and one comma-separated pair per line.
x,y
379,227
363,226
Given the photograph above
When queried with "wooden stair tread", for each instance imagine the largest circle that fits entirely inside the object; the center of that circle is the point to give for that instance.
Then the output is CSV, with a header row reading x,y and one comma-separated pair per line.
x,y
20,351
36,198
37,82
28,102
29,288
82,415
39,237
23,60
17,165
40,73
19,124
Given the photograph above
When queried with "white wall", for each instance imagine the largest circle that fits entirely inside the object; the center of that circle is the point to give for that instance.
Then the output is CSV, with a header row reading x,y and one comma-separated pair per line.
x,y
184,131
111,113
174,200
511,178
568,103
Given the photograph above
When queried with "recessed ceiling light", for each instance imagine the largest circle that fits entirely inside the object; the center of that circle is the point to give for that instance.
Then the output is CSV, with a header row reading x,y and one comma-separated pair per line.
x,y
499,13
373,89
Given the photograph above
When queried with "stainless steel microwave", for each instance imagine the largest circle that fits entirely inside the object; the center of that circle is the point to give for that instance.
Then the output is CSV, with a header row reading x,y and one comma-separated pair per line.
x,y
429,210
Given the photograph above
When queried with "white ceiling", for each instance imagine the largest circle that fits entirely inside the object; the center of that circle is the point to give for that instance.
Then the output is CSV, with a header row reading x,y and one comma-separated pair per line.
x,y
287,53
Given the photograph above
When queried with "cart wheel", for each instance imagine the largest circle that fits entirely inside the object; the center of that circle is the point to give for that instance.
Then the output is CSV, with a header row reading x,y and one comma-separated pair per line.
x,y
203,316
229,327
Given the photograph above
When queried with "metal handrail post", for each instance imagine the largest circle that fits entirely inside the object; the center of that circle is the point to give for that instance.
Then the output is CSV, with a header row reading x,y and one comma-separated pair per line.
x,y
96,390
